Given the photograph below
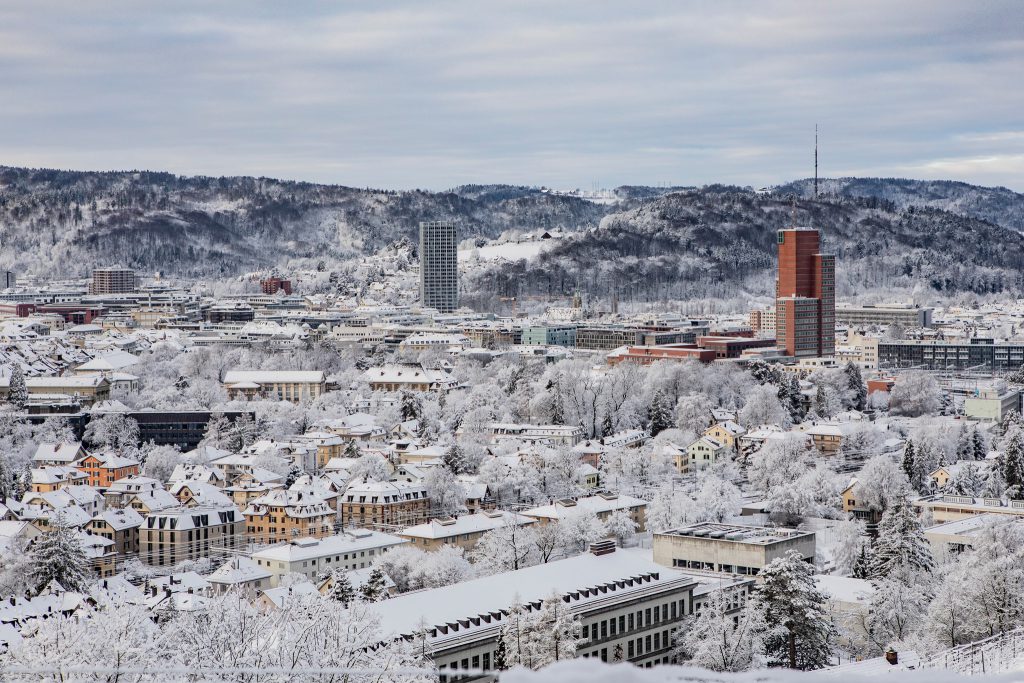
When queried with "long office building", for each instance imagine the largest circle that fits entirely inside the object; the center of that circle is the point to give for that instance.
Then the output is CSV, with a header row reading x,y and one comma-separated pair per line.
x,y
805,295
439,266
904,316
629,606
974,354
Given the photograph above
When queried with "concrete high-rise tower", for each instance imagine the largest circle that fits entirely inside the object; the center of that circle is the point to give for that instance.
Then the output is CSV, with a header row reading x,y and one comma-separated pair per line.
x,y
805,295
439,266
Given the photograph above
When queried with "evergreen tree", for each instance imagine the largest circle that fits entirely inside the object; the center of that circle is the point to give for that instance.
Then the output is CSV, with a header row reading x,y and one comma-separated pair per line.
x,y
901,551
58,556
800,633
911,466
17,391
410,406
794,400
968,482
352,450
8,487
454,459
341,589
1013,462
659,415
500,653
855,384
374,590
965,444
862,567
978,443
294,472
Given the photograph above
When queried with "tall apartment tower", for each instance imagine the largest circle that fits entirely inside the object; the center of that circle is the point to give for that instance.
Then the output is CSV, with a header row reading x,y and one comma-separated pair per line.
x,y
805,295
439,266
112,281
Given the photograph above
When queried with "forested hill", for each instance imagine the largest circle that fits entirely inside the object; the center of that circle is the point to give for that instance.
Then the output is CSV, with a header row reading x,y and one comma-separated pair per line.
x,y
720,242
65,222
651,243
995,204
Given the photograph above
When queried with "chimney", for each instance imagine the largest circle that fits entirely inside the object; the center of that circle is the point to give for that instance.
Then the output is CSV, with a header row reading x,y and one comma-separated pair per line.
x,y
892,656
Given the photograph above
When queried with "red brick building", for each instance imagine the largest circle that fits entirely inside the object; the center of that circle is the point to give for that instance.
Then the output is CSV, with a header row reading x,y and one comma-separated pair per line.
x,y
646,355
805,295
271,285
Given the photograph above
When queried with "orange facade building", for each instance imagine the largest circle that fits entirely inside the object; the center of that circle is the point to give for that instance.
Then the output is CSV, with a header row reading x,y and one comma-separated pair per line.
x,y
805,295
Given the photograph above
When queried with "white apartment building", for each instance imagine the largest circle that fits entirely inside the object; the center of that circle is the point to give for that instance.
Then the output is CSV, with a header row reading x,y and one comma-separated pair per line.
x,y
311,557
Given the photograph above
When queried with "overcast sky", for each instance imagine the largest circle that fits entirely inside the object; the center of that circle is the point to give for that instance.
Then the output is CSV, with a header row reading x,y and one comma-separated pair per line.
x,y
568,94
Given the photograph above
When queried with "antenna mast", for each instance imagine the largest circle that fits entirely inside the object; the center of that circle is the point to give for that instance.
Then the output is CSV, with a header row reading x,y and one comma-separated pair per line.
x,y
815,161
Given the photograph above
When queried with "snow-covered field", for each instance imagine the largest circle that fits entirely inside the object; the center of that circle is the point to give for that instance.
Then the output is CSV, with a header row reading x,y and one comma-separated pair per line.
x,y
512,251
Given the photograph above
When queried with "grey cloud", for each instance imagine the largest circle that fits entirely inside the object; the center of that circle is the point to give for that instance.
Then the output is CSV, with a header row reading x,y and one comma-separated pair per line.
x,y
435,94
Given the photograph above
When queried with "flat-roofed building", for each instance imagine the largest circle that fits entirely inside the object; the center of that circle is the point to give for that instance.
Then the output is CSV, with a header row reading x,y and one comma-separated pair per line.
x,y
648,355
957,536
729,548
906,316
312,557
626,604
991,404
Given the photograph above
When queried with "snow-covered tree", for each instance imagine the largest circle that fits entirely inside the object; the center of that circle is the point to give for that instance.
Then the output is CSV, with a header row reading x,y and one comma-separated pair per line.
x,y
507,548
664,511
715,499
692,413
855,385
115,431
915,393
895,611
1013,462
17,394
121,640
800,633
447,494
849,545
659,415
537,638
454,459
159,462
579,529
763,407
880,482
621,526
374,589
341,587
58,556
901,551
778,462
371,467
720,639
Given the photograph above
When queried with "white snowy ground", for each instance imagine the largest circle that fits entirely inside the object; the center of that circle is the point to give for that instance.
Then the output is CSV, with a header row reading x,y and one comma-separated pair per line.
x,y
590,671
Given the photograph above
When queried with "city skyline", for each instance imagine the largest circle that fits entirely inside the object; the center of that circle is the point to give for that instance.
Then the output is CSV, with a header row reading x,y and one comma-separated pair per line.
x,y
574,96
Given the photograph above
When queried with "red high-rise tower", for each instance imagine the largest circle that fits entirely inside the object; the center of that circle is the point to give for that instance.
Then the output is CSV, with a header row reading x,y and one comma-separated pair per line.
x,y
805,295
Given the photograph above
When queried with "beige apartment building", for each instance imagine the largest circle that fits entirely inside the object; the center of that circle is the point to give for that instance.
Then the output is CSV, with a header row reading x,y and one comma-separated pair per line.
x,y
377,504
173,535
282,515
